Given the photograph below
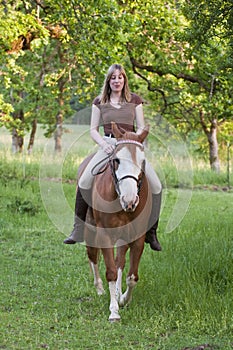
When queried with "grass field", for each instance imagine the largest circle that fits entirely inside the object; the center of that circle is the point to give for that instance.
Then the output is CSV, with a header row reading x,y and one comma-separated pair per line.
x,y
184,296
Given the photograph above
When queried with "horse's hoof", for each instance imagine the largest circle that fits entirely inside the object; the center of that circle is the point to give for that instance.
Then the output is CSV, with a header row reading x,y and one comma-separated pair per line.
x,y
114,317
114,320
123,302
100,291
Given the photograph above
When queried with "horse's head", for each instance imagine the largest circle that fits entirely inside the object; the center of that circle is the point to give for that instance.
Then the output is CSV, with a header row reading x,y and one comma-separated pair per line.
x,y
128,164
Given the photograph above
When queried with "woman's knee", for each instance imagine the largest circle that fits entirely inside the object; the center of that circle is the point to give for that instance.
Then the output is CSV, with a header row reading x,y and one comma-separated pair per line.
x,y
156,186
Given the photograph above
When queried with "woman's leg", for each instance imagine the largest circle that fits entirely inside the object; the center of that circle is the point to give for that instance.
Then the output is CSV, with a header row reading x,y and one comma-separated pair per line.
x,y
83,197
81,206
156,189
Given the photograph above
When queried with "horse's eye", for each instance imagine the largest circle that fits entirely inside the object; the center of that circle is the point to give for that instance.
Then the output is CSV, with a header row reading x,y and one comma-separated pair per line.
x,y
143,165
116,162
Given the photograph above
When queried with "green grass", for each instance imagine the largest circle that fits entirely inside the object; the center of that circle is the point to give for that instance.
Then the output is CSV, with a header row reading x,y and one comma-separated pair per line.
x,y
177,168
183,298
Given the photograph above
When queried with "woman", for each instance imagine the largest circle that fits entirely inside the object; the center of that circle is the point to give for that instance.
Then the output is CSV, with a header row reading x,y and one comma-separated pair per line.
x,y
116,103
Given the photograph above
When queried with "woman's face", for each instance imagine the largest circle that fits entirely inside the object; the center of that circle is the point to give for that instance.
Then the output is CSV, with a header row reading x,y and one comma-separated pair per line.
x,y
117,81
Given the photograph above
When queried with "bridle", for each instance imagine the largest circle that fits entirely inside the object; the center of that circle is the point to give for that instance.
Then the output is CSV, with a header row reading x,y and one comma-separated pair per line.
x,y
112,161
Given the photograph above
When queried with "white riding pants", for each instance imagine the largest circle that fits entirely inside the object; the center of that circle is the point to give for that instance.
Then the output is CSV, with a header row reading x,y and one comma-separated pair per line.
x,y
87,178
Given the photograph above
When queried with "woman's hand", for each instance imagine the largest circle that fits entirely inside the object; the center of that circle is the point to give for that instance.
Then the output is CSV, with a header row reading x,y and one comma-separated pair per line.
x,y
106,147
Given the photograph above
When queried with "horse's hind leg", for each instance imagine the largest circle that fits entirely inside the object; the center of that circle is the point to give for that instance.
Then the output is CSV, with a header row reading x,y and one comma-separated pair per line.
x,y
93,255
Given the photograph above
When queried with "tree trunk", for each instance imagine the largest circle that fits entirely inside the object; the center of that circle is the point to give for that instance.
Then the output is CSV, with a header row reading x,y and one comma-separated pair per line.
x,y
17,140
32,136
15,146
211,134
58,133
213,147
59,117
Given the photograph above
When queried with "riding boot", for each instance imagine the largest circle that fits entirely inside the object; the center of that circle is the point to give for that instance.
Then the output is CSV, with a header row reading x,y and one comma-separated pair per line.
x,y
151,235
81,206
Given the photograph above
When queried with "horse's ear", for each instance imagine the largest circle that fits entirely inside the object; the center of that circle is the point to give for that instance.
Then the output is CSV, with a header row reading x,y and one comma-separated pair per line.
x,y
116,131
144,133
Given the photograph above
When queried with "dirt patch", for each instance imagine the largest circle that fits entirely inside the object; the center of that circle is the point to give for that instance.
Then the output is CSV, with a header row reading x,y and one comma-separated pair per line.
x,y
203,347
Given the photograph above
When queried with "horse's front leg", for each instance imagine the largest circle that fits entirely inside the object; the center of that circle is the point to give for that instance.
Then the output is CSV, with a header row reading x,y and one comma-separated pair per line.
x,y
136,249
120,264
111,276
114,307
127,296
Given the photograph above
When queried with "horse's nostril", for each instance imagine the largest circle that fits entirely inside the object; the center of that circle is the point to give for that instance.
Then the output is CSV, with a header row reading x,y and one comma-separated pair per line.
x,y
129,206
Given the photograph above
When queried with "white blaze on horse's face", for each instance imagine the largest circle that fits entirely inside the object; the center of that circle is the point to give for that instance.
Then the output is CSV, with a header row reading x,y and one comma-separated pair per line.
x,y
128,173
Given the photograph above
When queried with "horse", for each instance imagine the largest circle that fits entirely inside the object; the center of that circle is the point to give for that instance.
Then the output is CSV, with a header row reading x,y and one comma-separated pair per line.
x,y
117,221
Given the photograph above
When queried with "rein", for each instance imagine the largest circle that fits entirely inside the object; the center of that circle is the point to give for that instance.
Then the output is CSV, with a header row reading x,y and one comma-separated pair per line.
x,y
119,142
97,165
110,163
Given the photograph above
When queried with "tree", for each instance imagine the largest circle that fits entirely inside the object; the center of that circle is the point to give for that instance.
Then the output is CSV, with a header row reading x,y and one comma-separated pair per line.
x,y
53,47
209,19
60,50
18,30
192,84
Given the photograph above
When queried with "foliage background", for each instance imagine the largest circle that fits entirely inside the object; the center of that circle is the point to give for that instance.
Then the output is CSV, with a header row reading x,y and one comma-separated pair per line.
x,y
178,56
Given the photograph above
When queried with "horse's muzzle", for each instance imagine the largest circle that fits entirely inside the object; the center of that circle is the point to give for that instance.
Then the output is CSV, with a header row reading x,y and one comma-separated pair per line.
x,y
129,206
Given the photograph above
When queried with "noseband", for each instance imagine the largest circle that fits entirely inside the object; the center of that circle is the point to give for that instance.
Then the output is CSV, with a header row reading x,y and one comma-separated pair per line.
x,y
115,179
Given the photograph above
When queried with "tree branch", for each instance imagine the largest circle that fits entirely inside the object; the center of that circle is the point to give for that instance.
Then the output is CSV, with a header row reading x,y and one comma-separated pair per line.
x,y
161,73
203,123
150,88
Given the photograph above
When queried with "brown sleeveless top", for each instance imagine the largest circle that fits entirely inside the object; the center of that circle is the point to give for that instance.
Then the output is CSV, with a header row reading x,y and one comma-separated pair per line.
x,y
123,115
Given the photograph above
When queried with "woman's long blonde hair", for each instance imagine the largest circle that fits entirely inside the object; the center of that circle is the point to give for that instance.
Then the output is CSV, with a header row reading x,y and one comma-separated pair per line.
x,y
106,90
